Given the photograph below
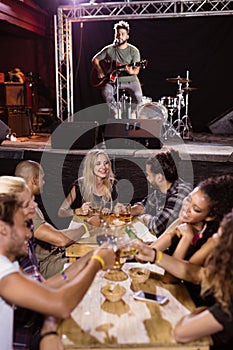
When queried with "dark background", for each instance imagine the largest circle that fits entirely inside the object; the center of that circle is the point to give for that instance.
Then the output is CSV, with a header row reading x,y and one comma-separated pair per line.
x,y
201,45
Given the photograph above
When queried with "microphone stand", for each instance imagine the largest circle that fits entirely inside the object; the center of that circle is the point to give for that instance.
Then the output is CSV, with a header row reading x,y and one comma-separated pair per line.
x,y
117,83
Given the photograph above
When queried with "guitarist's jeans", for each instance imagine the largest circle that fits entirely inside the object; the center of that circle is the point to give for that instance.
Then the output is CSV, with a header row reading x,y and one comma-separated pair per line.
x,y
133,88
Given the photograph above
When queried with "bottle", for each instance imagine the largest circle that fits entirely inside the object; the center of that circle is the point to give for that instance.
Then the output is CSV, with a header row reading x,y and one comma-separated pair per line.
x,y
130,232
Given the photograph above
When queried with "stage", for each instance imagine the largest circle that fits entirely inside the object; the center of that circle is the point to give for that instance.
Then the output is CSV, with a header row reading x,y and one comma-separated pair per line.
x,y
205,155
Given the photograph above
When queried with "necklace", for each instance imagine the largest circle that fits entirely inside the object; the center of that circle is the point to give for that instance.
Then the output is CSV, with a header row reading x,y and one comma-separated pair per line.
x,y
198,235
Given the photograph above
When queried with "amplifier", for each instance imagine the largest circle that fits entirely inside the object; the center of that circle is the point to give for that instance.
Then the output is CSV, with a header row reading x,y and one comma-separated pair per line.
x,y
12,94
19,121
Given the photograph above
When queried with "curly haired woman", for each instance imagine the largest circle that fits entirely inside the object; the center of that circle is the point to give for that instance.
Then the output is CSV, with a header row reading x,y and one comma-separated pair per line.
x,y
216,280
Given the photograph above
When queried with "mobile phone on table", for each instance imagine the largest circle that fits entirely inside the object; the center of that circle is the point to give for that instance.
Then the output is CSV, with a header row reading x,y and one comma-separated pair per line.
x,y
156,298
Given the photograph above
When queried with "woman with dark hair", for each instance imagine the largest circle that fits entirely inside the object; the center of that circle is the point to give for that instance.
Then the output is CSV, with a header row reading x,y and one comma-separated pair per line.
x,y
216,280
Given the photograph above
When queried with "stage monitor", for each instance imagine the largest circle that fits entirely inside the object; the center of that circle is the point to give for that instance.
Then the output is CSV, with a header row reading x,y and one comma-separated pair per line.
x,y
134,133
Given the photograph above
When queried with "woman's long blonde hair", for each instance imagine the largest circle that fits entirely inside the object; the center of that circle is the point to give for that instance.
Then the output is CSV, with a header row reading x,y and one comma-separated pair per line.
x,y
87,181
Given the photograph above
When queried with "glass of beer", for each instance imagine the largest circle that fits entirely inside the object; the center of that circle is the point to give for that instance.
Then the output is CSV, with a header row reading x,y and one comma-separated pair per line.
x,y
125,212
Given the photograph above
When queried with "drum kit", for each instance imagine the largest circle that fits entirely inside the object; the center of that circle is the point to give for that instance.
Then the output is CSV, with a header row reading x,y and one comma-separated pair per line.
x,y
169,107
180,125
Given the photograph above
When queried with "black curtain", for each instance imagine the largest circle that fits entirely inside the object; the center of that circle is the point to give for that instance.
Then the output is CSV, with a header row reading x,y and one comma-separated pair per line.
x,y
201,45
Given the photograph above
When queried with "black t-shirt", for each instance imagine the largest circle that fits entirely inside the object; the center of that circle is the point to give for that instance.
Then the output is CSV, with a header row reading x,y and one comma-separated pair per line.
x,y
224,337
78,201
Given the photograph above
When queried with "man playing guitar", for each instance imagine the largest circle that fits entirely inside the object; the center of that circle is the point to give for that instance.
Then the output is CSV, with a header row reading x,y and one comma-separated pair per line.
x,y
122,54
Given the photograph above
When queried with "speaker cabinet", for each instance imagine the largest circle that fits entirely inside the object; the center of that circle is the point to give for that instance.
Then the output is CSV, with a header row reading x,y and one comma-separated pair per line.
x,y
133,133
75,135
12,94
19,121
223,124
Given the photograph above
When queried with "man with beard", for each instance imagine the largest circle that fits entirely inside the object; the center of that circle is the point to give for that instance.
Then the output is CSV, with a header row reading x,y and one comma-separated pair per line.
x,y
161,207
120,53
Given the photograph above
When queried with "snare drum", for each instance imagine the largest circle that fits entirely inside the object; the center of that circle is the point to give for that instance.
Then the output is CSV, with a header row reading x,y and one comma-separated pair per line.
x,y
169,102
153,110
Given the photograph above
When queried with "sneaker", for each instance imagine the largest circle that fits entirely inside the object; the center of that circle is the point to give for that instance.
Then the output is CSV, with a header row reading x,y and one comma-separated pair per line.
x,y
13,137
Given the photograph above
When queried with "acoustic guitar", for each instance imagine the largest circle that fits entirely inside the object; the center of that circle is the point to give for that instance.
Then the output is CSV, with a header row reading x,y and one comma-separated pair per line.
x,y
111,75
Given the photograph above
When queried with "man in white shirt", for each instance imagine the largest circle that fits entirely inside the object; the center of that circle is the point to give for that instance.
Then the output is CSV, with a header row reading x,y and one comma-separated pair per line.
x,y
16,288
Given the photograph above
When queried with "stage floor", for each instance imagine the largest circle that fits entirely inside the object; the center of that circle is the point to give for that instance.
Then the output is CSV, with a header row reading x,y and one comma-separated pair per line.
x,y
203,147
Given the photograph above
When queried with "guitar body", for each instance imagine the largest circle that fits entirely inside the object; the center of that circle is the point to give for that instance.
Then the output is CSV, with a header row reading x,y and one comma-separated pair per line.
x,y
100,82
110,74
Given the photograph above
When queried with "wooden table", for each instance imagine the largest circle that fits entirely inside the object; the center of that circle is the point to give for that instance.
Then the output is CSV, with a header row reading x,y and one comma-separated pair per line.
x,y
98,323
84,245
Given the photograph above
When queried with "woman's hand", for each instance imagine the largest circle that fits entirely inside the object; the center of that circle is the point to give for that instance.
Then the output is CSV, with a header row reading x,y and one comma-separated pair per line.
x,y
84,210
185,230
145,252
106,211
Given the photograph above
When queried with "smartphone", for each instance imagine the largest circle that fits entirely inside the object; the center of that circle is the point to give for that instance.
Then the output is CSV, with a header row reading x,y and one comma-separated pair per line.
x,y
160,299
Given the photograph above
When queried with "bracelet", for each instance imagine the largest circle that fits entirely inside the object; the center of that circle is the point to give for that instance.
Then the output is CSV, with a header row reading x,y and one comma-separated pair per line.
x,y
64,275
86,229
101,260
47,333
159,257
154,260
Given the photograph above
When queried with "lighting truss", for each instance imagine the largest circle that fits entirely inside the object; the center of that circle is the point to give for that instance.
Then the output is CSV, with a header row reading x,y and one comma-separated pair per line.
x,y
106,11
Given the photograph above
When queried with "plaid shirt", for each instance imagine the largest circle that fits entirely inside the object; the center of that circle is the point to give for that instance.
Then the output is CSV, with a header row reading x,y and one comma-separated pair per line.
x,y
163,208
27,322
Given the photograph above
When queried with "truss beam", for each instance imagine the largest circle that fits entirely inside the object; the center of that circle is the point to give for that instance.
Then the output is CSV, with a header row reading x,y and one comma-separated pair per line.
x,y
147,9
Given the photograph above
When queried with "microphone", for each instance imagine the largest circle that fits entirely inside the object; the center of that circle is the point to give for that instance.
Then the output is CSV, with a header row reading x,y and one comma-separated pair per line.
x,y
116,42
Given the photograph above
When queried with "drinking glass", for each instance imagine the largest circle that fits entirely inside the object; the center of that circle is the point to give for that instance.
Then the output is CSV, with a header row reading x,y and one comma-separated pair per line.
x,y
118,240
124,212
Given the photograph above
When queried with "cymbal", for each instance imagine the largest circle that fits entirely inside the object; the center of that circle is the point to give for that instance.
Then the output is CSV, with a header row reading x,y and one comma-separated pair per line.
x,y
178,80
189,88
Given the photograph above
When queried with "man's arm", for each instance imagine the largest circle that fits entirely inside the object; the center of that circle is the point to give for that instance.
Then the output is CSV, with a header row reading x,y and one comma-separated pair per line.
x,y
71,272
99,70
55,302
59,238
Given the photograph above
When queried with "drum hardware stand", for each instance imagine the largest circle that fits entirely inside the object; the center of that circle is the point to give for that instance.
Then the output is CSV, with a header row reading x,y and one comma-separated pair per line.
x,y
186,133
178,123
168,125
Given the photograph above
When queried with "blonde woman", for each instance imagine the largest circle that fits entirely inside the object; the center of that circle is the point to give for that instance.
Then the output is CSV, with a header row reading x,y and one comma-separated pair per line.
x,y
95,189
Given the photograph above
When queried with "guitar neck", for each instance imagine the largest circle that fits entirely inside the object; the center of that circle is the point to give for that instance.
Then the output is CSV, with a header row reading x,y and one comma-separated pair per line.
x,y
130,64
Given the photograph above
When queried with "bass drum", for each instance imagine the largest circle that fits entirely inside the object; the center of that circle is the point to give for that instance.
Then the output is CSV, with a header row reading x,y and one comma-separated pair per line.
x,y
153,110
